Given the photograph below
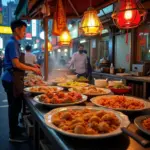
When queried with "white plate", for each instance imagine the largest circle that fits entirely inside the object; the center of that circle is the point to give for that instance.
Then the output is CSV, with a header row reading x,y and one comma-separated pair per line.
x,y
124,122
28,89
81,84
138,123
96,99
36,98
107,91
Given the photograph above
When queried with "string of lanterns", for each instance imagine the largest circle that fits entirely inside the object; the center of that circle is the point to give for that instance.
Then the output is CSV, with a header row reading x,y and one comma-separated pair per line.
x,y
128,14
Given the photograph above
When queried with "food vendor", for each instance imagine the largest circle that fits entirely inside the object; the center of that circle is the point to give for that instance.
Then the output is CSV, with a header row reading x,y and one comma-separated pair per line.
x,y
13,79
79,60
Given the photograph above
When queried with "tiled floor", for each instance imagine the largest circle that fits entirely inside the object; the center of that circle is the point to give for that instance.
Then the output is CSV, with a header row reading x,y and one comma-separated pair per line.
x,y
4,143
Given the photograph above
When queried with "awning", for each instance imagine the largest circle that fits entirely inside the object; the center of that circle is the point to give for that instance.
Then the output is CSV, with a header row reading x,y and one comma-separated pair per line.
x,y
22,9
73,8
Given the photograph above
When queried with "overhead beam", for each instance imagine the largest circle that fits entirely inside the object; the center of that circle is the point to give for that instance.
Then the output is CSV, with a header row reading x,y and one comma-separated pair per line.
x,y
105,4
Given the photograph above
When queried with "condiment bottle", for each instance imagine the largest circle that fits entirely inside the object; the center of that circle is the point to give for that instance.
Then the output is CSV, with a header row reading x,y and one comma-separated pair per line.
x,y
111,69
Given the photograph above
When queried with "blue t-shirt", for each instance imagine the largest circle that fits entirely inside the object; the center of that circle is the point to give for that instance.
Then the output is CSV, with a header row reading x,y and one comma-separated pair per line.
x,y
12,50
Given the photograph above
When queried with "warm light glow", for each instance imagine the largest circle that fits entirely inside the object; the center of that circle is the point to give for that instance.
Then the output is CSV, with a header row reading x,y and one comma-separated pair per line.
x,y
65,50
83,41
65,38
50,47
59,50
90,24
128,15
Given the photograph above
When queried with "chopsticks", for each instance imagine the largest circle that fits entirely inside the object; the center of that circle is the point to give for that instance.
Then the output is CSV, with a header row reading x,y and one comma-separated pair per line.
x,y
136,137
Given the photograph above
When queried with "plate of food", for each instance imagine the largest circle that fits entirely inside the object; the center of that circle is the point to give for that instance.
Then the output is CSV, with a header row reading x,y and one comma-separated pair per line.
x,y
121,103
143,123
120,89
59,80
60,99
34,80
86,122
42,89
91,90
71,84
81,79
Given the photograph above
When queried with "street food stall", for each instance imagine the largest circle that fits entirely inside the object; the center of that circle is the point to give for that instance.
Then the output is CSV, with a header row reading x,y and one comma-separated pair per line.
x,y
68,112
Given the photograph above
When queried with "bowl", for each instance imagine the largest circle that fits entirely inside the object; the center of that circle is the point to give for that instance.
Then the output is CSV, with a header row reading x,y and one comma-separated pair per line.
x,y
100,83
113,83
120,91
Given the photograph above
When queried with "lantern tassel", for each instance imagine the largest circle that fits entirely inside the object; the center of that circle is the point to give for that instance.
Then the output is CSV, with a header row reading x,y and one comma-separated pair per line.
x,y
127,37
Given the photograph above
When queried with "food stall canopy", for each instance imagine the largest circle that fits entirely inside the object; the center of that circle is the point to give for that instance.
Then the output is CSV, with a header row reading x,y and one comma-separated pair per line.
x,y
74,8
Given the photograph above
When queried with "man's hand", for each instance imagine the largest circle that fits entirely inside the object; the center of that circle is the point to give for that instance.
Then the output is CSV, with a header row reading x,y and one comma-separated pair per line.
x,y
36,66
37,71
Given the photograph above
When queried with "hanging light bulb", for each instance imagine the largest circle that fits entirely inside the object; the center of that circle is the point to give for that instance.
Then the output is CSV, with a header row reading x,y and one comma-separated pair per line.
x,y
50,47
129,14
65,37
90,23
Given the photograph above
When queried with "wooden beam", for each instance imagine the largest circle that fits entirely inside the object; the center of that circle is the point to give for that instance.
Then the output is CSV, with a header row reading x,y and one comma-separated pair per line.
x,y
45,20
105,4
41,17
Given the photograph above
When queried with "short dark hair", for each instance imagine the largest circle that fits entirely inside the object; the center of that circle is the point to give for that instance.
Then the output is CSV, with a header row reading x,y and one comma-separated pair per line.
x,y
81,45
28,47
17,23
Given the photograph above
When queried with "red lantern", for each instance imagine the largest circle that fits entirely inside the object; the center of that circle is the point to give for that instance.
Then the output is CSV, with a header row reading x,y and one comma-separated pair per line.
x,y
128,14
49,46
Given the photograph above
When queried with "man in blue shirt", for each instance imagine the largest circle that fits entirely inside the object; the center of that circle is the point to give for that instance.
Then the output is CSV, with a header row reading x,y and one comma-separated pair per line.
x,y
12,78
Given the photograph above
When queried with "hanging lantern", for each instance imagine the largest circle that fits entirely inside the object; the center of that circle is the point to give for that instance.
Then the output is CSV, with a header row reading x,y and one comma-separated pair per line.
x,y
50,47
65,38
129,14
90,23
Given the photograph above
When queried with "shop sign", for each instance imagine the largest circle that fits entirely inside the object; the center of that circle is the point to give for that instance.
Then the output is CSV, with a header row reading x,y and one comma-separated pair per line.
x,y
142,41
28,36
5,30
34,28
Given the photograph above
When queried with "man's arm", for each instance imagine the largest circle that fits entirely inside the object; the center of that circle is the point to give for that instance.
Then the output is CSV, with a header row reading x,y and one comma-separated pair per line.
x,y
72,61
15,59
19,65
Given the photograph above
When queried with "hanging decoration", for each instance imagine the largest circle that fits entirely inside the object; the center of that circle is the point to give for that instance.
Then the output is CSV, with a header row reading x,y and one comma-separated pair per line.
x,y
65,37
90,23
45,9
59,20
50,47
129,14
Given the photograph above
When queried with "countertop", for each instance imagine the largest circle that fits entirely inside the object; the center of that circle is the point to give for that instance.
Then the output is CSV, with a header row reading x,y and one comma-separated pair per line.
x,y
134,78
59,141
